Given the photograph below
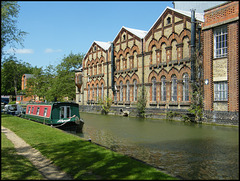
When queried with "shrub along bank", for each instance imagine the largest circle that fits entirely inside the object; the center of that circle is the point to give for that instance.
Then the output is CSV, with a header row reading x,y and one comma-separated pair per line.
x,y
79,158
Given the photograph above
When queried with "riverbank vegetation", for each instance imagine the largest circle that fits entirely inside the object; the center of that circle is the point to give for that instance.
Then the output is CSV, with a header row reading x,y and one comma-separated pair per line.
x,y
79,158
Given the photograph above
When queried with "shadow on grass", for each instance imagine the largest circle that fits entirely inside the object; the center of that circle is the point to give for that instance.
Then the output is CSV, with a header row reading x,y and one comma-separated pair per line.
x,y
17,167
84,160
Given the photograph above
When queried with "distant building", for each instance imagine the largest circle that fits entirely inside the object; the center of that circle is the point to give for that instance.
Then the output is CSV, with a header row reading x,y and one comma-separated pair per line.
x,y
199,6
221,58
21,98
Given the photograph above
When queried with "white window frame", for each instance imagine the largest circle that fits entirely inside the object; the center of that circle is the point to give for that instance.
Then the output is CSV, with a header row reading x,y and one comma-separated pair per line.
x,y
185,87
134,90
174,88
220,42
128,92
121,91
66,110
45,111
154,89
221,91
163,89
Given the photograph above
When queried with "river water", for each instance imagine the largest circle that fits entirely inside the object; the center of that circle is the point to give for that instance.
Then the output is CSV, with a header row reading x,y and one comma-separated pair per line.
x,y
190,151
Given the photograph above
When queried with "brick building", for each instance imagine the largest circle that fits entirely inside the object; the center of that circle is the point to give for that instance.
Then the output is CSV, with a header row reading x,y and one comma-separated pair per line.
x,y
159,59
21,98
221,59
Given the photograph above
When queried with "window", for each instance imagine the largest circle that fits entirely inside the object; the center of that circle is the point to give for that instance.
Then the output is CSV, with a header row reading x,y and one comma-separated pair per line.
x,y
102,91
32,110
220,42
45,111
135,90
97,92
153,89
88,92
38,110
185,87
168,20
220,91
121,91
65,112
174,88
92,92
163,88
29,110
115,93
128,92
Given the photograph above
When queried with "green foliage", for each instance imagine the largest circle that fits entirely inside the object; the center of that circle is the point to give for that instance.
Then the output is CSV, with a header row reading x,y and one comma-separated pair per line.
x,y
106,105
55,83
12,71
141,102
196,106
10,34
171,114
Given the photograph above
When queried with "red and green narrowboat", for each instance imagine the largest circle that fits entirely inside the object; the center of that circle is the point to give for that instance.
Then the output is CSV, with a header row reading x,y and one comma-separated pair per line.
x,y
56,114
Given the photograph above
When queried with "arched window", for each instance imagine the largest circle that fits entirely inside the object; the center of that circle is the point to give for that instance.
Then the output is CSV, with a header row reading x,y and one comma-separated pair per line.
x,y
174,88
134,63
128,92
154,91
164,55
88,92
115,94
121,91
102,91
92,92
154,57
163,89
97,92
185,87
128,62
134,90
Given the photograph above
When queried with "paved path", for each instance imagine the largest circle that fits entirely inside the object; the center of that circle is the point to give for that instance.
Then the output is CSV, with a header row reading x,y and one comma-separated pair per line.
x,y
44,165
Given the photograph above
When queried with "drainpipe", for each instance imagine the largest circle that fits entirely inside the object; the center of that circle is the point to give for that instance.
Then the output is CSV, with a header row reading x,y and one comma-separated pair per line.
x,y
193,40
142,71
107,74
113,67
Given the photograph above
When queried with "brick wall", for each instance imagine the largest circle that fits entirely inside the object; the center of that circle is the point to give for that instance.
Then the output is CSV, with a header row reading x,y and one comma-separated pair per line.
x,y
233,66
207,66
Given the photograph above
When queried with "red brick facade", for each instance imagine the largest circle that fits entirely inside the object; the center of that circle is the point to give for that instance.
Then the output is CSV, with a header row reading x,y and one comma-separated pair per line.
x,y
223,15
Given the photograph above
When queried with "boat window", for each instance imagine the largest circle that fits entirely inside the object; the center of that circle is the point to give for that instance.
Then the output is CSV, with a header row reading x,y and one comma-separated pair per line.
x,y
29,109
65,112
38,110
45,111
32,110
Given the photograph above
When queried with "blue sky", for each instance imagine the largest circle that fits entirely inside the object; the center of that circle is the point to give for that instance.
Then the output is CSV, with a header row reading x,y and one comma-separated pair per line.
x,y
57,28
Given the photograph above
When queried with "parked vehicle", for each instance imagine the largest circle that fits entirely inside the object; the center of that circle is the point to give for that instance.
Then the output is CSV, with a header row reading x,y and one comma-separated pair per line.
x,y
57,114
13,109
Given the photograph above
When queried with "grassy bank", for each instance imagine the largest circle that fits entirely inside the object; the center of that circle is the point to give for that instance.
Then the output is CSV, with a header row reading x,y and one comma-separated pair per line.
x,y
13,166
79,158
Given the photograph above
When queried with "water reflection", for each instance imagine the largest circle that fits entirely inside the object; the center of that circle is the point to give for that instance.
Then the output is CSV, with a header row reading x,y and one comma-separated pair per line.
x,y
182,149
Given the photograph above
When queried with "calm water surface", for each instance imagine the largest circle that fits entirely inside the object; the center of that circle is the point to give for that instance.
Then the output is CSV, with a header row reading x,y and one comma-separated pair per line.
x,y
191,151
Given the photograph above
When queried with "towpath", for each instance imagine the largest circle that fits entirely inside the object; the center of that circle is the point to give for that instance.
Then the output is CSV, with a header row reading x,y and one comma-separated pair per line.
x,y
44,165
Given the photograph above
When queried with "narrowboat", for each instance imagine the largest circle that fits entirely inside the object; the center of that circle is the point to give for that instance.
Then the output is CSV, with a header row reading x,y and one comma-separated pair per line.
x,y
64,115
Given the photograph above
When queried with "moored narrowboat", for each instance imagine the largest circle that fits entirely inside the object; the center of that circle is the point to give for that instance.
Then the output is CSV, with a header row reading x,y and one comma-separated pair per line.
x,y
64,115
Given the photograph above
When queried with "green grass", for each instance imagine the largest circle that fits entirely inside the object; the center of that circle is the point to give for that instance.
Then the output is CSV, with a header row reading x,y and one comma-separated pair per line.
x,y
81,159
13,166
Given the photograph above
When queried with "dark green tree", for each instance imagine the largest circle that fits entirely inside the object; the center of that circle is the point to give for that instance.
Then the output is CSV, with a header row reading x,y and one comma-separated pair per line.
x,y
10,34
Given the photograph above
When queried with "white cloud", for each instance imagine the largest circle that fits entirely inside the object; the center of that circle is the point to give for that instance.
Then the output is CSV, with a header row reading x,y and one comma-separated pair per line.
x,y
20,51
49,50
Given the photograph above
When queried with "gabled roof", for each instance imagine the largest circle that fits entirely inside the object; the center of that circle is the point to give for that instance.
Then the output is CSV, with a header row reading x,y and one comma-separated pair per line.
x,y
104,45
198,16
139,33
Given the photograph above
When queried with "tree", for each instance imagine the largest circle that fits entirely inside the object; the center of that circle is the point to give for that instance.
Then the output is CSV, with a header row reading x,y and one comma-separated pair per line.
x,y
11,75
141,102
10,34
